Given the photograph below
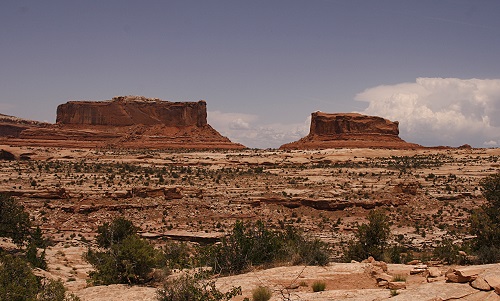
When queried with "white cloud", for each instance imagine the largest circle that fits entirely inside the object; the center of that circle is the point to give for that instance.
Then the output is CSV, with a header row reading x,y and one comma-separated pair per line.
x,y
440,111
245,129
491,143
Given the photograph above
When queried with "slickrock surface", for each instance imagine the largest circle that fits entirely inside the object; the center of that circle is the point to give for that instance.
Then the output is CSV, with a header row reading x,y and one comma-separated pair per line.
x,y
350,130
344,281
124,121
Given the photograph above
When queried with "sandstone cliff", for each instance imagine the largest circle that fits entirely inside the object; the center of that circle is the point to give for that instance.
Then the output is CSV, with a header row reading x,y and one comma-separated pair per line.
x,y
124,121
129,110
350,130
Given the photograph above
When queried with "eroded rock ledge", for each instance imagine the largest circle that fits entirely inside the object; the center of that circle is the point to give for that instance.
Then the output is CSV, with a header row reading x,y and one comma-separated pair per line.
x,y
350,130
124,121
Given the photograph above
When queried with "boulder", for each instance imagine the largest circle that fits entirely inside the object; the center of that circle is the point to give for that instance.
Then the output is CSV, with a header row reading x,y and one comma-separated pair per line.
x,y
493,280
463,275
419,269
395,285
480,284
433,272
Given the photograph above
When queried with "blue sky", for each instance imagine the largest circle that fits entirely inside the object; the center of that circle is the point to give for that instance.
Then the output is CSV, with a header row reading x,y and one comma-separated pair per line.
x,y
264,66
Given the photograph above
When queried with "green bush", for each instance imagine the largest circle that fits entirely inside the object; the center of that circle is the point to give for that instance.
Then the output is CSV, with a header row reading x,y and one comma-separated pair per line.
x,y
399,278
54,290
32,256
371,239
318,286
255,244
14,221
447,252
127,258
303,250
197,287
130,262
178,255
261,293
17,281
118,230
488,254
485,222
15,224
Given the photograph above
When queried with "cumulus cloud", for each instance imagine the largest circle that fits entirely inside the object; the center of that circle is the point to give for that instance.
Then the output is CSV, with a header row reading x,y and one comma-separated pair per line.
x,y
247,130
440,111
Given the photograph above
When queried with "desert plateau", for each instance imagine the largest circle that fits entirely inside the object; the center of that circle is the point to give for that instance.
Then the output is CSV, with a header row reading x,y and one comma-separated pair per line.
x,y
197,196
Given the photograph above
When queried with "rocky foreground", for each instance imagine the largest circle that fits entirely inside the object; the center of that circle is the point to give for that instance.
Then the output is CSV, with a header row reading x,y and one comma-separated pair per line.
x,y
345,281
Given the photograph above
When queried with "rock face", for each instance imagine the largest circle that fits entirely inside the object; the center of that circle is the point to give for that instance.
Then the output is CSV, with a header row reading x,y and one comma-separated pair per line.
x,y
350,130
129,110
124,121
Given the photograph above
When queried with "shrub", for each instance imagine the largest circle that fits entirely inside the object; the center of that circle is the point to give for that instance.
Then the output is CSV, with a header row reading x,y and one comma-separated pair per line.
x,y
54,290
129,262
371,239
485,222
488,254
34,258
17,281
303,250
399,278
255,244
118,230
395,254
14,221
318,286
127,258
261,293
177,255
195,287
447,252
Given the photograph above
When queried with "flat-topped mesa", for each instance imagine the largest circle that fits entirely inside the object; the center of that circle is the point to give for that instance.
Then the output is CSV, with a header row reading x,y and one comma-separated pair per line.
x,y
133,110
350,130
124,122
351,123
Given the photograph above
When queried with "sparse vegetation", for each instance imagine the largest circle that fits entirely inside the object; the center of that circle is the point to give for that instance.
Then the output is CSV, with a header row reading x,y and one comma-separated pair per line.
x,y
197,287
428,200
18,283
256,244
399,278
485,222
14,221
371,239
318,286
127,259
261,293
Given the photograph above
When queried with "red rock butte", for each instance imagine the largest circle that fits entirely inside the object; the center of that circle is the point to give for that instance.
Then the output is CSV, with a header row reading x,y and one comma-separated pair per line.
x,y
351,130
123,122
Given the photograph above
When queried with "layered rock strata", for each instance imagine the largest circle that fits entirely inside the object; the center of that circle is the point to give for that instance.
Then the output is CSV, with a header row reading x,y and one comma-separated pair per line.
x,y
124,121
350,130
